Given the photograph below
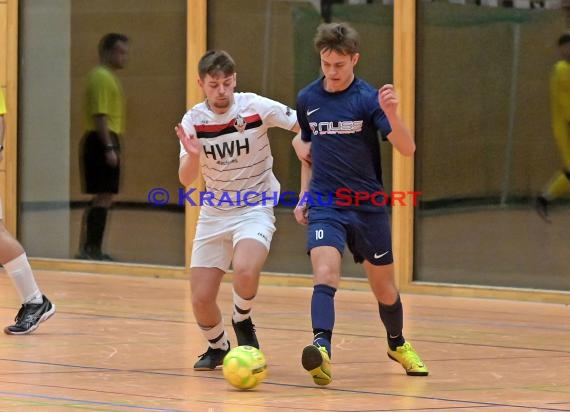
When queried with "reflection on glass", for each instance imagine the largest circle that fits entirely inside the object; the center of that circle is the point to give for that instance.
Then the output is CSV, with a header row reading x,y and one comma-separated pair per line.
x,y
58,44
485,147
100,158
276,59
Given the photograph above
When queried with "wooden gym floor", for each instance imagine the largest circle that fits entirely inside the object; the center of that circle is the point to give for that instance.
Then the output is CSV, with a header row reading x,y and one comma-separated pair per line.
x,y
120,343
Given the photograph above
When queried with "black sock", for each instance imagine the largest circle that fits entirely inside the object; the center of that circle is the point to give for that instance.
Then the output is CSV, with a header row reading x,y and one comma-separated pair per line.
x,y
95,222
392,317
323,338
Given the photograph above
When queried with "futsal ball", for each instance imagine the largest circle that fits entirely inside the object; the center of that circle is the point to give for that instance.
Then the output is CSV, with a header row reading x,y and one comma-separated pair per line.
x,y
244,367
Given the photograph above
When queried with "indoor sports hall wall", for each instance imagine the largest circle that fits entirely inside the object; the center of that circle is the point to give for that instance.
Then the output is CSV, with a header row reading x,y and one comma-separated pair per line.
x,y
483,115
485,148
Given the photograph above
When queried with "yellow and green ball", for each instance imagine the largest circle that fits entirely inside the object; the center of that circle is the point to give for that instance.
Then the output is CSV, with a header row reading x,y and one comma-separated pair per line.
x,y
244,367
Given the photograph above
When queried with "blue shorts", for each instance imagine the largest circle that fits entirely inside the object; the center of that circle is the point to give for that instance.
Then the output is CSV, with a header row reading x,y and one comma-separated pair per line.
x,y
367,234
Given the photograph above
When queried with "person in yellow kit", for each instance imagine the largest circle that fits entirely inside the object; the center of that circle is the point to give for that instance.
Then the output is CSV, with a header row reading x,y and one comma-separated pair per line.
x,y
560,111
36,307
105,122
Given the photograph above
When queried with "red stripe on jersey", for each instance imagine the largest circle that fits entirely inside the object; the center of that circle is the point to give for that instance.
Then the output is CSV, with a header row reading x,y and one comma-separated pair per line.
x,y
213,128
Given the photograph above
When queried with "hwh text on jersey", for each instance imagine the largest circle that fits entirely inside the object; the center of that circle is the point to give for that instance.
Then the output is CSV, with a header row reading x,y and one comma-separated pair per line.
x,y
227,148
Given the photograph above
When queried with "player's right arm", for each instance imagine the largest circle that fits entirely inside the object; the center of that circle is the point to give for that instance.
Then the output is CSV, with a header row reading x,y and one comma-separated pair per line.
x,y
302,149
102,128
560,91
302,145
189,152
302,207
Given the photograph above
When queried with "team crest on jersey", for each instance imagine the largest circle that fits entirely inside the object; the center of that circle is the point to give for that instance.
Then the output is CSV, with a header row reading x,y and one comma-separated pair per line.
x,y
240,124
288,111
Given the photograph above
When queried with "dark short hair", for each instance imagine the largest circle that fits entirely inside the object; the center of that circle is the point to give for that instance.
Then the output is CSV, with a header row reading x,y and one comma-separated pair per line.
x,y
109,40
339,37
565,38
215,62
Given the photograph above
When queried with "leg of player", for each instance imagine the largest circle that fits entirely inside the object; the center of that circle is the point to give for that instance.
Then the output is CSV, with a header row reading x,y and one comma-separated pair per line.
x,y
249,257
96,220
36,308
381,280
559,185
205,284
326,262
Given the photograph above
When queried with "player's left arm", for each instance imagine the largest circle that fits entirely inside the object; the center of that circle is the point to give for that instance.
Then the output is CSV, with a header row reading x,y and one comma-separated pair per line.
x,y
276,114
400,136
279,115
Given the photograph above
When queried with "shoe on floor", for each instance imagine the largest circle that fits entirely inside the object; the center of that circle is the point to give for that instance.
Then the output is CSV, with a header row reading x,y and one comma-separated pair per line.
x,y
406,356
30,316
210,359
316,361
245,333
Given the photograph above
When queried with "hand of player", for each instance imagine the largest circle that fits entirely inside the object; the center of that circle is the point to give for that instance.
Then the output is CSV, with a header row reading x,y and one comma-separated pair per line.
x,y
112,158
301,212
190,142
388,99
302,149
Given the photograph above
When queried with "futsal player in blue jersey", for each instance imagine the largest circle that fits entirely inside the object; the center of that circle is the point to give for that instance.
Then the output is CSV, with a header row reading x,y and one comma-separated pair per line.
x,y
340,118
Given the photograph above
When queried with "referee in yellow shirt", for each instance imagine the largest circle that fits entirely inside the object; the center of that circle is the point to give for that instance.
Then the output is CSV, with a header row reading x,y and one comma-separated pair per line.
x,y
560,111
105,122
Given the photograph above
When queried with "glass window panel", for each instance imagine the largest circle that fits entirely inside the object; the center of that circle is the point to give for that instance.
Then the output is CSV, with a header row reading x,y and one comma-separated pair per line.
x,y
58,46
485,145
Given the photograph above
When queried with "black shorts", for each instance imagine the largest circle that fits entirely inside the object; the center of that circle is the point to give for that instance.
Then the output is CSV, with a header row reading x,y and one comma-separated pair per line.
x,y
98,176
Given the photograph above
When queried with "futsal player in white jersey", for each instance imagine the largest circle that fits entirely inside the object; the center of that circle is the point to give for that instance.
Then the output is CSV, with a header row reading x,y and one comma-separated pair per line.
x,y
36,307
225,137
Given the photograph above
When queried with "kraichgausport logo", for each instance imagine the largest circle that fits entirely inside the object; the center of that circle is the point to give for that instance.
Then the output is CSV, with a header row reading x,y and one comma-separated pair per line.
x,y
341,197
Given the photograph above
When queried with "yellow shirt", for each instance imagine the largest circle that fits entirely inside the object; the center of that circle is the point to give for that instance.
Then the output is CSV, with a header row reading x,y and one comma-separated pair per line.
x,y
2,103
560,90
105,96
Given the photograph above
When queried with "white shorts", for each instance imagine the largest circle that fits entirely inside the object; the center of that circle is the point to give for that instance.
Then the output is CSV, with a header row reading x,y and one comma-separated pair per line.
x,y
217,236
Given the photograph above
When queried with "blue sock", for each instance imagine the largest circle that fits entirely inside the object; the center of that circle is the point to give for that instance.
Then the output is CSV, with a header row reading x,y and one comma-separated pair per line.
x,y
322,315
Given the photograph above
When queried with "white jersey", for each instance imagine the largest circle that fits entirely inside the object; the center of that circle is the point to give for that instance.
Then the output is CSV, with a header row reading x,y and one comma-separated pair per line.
x,y
236,160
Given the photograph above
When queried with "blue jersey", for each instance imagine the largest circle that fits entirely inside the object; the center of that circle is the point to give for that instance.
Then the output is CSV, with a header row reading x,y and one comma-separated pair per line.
x,y
343,128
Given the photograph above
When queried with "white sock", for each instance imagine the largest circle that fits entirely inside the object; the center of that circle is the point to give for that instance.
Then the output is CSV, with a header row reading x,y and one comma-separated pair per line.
x,y
22,277
242,308
216,336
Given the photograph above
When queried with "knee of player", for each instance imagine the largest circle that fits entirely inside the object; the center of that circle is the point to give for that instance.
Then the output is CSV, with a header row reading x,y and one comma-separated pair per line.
x,y
202,300
246,274
325,274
